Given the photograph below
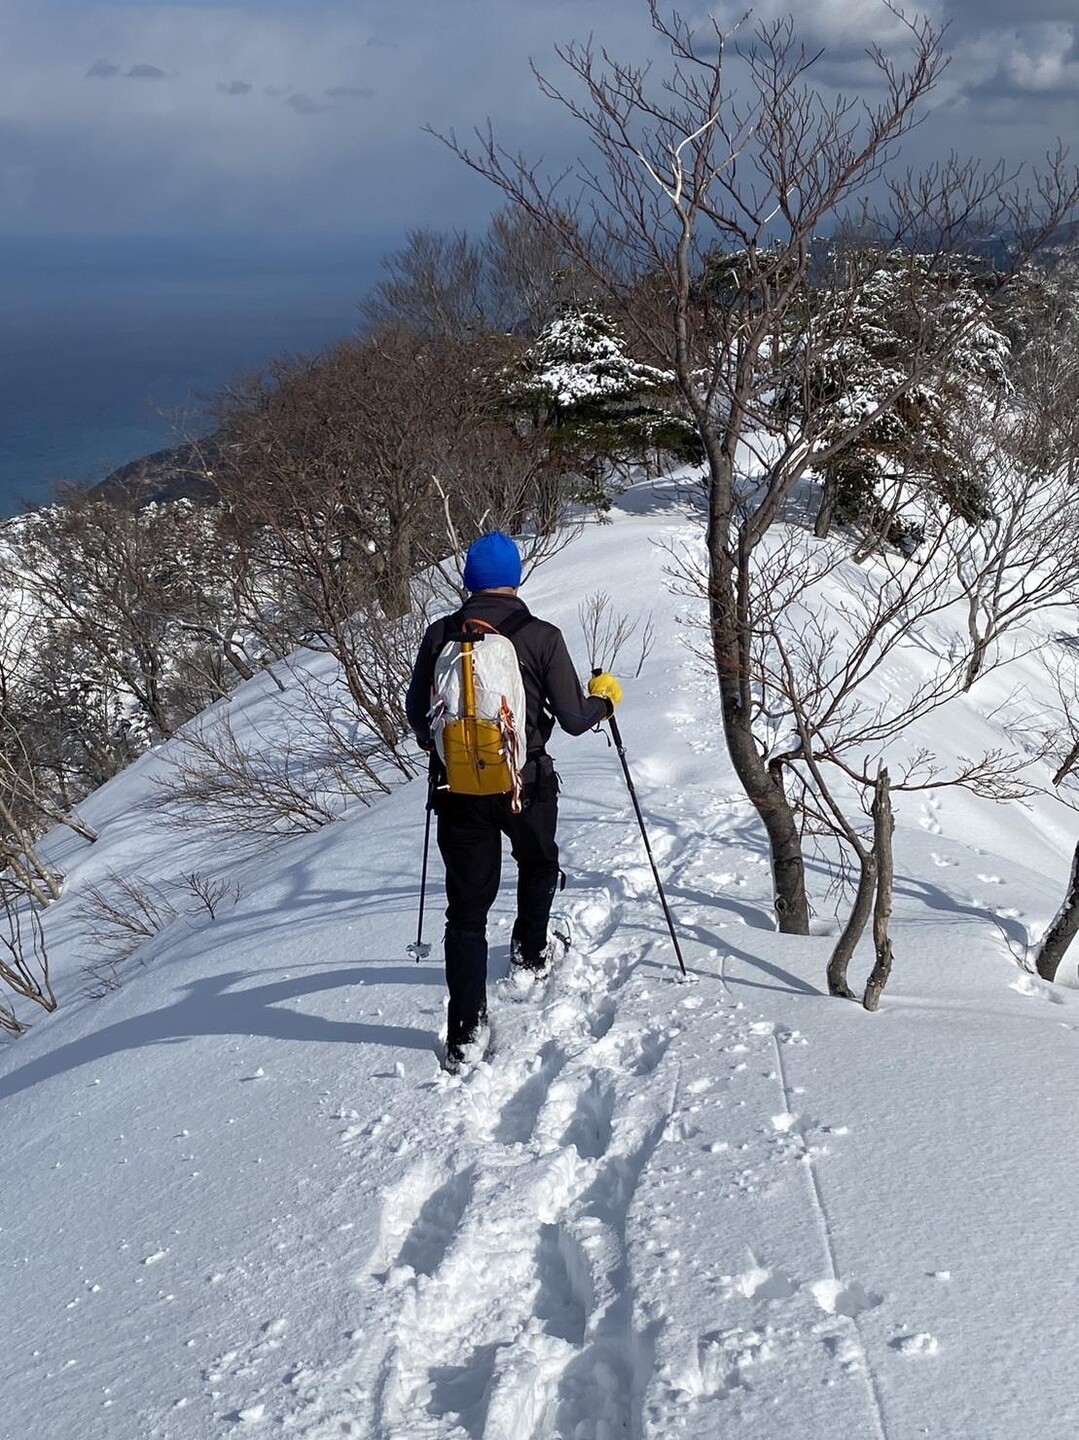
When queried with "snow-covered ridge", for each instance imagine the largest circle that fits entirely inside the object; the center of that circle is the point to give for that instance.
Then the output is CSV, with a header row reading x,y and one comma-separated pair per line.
x,y
239,1196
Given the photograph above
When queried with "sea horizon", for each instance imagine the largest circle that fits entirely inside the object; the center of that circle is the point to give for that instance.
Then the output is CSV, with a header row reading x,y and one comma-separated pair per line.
x,y
110,348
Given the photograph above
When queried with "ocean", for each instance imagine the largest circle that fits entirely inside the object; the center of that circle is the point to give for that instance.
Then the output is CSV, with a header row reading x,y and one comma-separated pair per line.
x,y
110,348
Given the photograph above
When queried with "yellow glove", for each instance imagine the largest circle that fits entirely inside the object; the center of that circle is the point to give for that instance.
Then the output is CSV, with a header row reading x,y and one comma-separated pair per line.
x,y
607,688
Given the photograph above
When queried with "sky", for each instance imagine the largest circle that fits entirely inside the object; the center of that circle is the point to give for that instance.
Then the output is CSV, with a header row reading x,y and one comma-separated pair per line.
x,y
263,116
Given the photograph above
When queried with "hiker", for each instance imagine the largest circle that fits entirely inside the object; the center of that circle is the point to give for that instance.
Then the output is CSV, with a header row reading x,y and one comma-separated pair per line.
x,y
471,825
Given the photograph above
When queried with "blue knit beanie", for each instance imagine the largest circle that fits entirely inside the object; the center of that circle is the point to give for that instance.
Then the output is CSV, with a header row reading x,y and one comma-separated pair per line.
x,y
493,563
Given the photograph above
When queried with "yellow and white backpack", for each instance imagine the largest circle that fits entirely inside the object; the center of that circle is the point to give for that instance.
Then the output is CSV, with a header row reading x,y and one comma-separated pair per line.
x,y
478,710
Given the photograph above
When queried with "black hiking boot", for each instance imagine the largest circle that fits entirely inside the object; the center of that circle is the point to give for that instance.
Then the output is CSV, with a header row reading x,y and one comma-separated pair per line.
x,y
468,1048
522,964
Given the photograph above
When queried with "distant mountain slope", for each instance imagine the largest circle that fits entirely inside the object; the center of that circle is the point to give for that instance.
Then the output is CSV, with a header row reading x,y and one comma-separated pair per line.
x,y
182,473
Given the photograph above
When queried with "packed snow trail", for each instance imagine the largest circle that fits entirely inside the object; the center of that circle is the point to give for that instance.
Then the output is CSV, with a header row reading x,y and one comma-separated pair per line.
x,y
494,1302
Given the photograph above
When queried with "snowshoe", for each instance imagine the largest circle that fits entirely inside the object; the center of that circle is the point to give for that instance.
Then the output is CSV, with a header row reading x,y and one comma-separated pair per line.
x,y
461,1056
522,967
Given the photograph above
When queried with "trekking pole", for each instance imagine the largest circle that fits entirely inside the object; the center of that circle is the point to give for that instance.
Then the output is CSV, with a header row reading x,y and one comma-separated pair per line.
x,y
420,949
616,736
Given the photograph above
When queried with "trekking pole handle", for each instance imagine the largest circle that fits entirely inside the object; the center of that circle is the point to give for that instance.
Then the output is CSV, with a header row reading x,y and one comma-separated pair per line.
x,y
611,721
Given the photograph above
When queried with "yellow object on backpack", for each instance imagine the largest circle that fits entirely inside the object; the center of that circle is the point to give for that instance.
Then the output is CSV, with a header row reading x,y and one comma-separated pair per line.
x,y
478,713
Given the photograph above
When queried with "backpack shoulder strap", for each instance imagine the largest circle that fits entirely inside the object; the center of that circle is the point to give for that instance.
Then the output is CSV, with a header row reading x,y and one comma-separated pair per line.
x,y
454,627
460,626
516,622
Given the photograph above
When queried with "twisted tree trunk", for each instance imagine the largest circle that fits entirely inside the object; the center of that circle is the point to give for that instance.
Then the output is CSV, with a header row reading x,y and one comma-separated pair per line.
x,y
728,602
1063,929
852,931
883,828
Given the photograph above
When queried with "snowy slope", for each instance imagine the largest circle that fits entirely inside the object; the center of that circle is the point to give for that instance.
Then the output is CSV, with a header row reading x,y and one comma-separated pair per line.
x,y
240,1197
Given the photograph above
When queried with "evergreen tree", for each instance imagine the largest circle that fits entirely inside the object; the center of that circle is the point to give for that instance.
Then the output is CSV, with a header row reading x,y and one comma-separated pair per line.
x,y
599,406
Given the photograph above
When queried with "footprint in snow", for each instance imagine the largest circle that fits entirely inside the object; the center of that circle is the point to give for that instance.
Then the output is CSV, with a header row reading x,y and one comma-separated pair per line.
x,y
759,1283
563,1302
435,1224
841,1297
846,1350
650,1050
463,1390
595,919
723,1356
915,1347
517,1119
792,1037
589,1128
599,1023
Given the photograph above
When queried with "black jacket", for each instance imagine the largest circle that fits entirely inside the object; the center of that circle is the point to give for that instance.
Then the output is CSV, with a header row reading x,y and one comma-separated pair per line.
x,y
552,690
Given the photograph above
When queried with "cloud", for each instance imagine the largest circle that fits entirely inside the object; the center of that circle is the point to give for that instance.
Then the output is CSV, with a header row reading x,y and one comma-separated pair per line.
x,y
842,28
1040,62
106,70
147,158
980,14
305,105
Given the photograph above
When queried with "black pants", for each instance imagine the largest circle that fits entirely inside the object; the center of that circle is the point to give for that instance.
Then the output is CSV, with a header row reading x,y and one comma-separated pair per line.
x,y
470,831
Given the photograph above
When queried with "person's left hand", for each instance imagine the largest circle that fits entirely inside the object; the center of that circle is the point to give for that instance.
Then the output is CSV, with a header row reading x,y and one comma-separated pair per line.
x,y
607,688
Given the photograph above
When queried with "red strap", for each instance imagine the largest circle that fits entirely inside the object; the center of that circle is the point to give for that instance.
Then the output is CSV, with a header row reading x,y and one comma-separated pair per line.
x,y
482,627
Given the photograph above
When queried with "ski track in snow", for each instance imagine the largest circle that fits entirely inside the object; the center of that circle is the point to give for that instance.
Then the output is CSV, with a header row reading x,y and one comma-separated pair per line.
x,y
835,1296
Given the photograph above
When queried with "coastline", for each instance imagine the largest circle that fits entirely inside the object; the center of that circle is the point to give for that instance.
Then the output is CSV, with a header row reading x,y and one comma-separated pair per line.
x,y
108,349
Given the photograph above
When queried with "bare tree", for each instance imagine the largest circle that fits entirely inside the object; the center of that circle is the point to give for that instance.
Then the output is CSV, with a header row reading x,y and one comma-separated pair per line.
x,y
1019,554
123,913
1062,739
513,280
24,960
434,287
21,861
695,171
1063,928
291,783
531,273
829,635
211,891
883,829
334,458
607,631
27,803
137,589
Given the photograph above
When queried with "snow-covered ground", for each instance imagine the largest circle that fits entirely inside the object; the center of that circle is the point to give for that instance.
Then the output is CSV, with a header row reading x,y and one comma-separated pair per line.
x,y
239,1196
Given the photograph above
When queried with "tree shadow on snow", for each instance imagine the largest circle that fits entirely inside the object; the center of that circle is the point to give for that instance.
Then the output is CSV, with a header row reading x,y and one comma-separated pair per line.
x,y
934,898
656,497
786,981
215,1006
